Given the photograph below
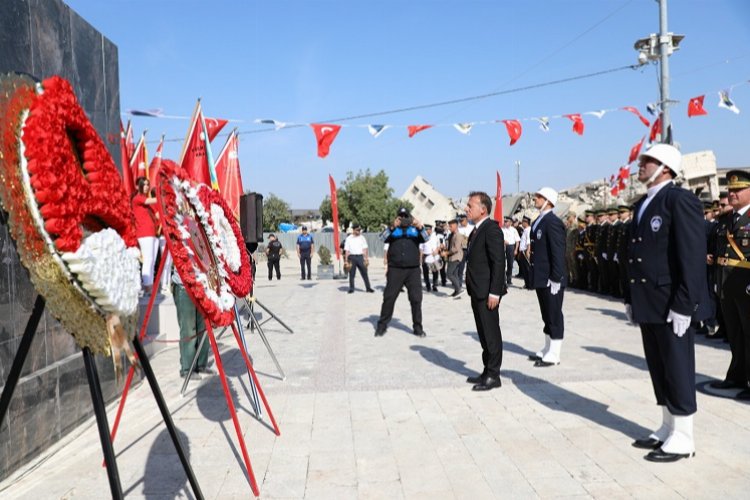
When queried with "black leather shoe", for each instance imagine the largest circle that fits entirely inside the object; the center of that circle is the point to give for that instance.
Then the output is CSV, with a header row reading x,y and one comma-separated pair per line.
x,y
743,395
662,456
475,379
726,384
534,357
543,364
487,383
420,333
350,291
370,290
380,332
648,443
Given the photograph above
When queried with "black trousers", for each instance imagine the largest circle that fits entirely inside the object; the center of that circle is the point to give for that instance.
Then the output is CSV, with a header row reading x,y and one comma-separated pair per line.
x,y
735,308
453,270
525,268
358,262
426,272
551,309
443,273
671,363
274,264
304,260
509,258
396,277
488,329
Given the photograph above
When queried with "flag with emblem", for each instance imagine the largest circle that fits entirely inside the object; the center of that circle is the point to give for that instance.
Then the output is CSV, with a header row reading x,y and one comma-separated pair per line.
x,y
210,159
139,160
614,187
636,150
229,174
577,122
376,130
543,123
695,106
415,129
325,134
623,177
655,130
637,113
153,168
464,128
214,126
276,123
194,157
599,114
127,175
726,102
335,215
514,129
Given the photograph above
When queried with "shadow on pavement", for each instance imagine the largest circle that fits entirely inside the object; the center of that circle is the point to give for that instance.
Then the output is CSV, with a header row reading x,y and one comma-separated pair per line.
x,y
614,313
394,323
557,398
638,362
163,474
507,346
442,360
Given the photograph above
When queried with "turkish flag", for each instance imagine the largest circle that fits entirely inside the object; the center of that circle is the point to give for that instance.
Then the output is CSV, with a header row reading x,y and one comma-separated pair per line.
x,y
325,135
637,113
623,175
577,122
415,129
129,143
139,160
498,214
335,215
636,150
127,176
514,130
214,126
695,106
229,174
153,168
655,130
194,159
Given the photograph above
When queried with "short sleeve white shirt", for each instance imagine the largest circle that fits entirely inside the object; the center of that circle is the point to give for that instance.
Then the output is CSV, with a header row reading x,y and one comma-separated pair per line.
x,y
355,245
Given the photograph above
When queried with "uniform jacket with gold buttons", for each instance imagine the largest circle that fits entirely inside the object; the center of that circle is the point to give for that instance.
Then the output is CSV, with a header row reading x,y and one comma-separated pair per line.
x,y
733,278
667,257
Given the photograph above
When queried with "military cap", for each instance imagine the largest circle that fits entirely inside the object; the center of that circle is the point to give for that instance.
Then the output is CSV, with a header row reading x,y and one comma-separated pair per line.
x,y
508,217
601,211
589,212
526,218
612,211
453,221
723,194
438,222
428,226
738,179
581,219
460,216
623,208
403,212
707,207
715,205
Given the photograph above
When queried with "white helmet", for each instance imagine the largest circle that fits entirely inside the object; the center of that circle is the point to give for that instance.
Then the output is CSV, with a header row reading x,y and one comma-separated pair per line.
x,y
549,194
666,154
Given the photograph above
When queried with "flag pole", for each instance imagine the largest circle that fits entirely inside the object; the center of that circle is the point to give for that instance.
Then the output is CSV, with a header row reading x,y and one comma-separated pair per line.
x,y
190,129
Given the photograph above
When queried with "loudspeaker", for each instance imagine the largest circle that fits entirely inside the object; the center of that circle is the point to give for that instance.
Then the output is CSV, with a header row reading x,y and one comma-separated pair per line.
x,y
251,217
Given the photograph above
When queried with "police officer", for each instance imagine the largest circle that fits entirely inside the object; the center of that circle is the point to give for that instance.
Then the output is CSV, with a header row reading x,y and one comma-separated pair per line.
x,y
733,259
667,285
403,269
273,252
305,249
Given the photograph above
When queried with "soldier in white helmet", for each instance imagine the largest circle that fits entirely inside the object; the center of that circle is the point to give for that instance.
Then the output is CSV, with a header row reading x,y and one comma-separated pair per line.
x,y
548,275
666,285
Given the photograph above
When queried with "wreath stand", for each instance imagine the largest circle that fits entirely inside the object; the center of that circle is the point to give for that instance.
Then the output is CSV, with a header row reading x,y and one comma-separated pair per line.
x,y
225,386
254,324
98,400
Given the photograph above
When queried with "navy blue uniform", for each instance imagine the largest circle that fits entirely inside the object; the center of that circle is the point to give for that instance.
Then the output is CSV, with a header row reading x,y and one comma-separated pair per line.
x,y
304,245
548,264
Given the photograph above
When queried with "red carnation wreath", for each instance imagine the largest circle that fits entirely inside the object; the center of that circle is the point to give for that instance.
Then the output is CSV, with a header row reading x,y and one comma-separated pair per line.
x,y
186,225
233,256
68,210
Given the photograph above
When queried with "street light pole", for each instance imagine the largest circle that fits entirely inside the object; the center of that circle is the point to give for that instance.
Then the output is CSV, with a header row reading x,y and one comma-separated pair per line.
x,y
665,42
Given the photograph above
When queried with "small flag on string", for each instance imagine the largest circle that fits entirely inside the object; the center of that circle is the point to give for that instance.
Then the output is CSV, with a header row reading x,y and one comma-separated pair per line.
x,y
636,150
214,126
727,103
655,130
652,108
376,130
695,106
543,123
277,124
415,129
638,114
514,130
614,187
325,135
152,113
624,175
598,114
577,122
464,128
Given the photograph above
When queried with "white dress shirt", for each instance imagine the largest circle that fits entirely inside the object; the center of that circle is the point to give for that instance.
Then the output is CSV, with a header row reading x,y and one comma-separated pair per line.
x,y
510,234
355,245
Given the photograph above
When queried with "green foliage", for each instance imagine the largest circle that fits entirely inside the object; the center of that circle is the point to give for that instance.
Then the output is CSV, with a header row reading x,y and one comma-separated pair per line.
x,y
275,211
325,256
364,198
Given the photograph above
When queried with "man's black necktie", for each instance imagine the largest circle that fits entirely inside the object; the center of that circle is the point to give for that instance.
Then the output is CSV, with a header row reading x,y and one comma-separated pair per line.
x,y
735,219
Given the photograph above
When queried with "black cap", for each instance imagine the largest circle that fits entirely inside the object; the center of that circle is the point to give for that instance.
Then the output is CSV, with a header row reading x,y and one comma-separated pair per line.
x,y
356,226
589,212
438,222
271,235
623,208
612,211
460,216
601,211
526,218
403,212
428,226
304,228
508,217
738,179
453,221
707,206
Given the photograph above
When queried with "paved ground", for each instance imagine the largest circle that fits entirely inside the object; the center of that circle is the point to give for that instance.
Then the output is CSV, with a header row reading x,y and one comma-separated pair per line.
x,y
392,417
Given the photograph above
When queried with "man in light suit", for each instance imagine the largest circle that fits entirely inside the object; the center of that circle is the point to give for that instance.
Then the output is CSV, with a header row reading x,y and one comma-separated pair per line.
x,y
666,294
548,275
485,283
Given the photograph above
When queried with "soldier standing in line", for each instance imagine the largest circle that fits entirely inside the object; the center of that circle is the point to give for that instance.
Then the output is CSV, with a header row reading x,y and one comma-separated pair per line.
x,y
612,264
622,246
580,254
733,258
592,269
709,326
602,239
571,239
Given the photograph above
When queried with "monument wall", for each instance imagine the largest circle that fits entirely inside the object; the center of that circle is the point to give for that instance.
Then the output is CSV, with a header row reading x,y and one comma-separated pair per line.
x,y
45,38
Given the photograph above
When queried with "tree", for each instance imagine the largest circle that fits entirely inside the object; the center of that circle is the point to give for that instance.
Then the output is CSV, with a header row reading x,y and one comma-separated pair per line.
x,y
366,199
275,210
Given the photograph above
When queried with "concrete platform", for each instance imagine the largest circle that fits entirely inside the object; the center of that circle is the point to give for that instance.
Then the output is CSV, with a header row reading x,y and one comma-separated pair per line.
x,y
392,417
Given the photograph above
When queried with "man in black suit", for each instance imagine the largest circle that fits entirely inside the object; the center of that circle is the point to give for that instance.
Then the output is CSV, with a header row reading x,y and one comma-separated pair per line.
x,y
485,283
548,274
665,294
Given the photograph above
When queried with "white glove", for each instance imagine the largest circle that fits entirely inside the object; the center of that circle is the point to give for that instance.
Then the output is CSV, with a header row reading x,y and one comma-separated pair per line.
x,y
615,258
604,255
680,322
580,256
554,286
629,313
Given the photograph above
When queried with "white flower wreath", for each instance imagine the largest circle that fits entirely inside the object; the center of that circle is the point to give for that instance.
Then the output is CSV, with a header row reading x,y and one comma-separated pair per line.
x,y
226,236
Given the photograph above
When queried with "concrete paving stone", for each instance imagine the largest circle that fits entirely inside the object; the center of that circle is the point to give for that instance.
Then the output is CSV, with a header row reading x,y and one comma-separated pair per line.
x,y
606,490
556,486
390,490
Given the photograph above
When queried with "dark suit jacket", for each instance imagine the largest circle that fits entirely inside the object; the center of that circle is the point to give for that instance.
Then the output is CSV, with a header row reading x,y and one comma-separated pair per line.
x,y
548,252
485,265
667,257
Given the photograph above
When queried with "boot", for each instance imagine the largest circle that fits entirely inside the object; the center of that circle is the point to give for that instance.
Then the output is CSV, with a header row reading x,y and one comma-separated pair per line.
x,y
679,444
552,357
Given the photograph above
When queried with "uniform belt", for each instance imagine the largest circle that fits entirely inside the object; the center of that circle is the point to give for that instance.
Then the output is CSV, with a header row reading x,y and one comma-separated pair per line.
x,y
724,261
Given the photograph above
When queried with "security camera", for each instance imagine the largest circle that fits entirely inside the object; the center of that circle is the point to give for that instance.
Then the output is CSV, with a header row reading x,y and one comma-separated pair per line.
x,y
642,58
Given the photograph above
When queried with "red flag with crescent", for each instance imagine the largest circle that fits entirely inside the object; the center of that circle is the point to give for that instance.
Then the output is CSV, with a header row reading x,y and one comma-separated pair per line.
x,y
636,150
577,122
229,174
498,214
415,129
655,130
637,113
695,106
325,134
335,215
214,126
127,175
514,130
194,157
139,160
623,176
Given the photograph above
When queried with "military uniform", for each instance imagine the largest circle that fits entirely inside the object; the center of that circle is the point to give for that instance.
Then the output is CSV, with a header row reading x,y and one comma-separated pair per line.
x,y
589,244
622,247
613,267
580,255
602,241
733,258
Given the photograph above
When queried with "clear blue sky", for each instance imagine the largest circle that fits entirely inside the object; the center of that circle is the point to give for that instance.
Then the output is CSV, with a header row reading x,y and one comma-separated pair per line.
x,y
308,61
